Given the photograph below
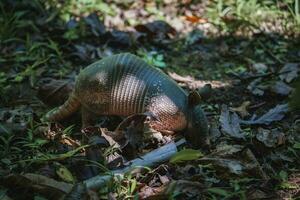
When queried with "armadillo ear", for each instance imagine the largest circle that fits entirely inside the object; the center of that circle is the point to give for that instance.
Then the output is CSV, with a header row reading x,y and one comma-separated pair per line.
x,y
194,98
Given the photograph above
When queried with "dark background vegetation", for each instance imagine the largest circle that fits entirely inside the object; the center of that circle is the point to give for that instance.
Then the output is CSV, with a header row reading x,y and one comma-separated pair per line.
x,y
247,50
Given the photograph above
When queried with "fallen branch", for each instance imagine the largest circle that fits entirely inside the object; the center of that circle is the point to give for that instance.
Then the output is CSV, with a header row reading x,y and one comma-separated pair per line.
x,y
150,159
191,83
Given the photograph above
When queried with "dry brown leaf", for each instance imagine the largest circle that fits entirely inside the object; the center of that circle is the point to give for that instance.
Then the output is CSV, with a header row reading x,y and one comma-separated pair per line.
x,y
195,19
148,192
270,138
242,109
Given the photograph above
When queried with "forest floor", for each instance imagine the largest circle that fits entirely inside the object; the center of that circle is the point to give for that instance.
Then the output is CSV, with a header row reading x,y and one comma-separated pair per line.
x,y
245,56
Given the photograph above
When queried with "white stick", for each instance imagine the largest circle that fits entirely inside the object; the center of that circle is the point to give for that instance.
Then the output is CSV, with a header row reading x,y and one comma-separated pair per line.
x,y
150,159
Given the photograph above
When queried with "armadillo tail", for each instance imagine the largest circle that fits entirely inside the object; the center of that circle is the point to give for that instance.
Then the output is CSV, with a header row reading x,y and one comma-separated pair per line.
x,y
65,110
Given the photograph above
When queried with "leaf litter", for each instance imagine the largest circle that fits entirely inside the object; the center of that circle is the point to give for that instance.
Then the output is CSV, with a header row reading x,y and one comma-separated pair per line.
x,y
230,123
275,114
212,174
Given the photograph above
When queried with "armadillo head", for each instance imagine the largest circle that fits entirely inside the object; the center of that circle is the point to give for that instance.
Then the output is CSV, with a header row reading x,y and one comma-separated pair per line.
x,y
197,129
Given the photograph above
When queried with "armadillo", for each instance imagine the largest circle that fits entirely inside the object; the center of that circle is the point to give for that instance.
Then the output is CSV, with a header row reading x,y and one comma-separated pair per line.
x,y
123,85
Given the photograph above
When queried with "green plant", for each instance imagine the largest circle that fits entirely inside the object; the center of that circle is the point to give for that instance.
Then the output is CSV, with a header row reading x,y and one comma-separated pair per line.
x,y
294,11
186,155
124,187
233,15
237,190
4,86
153,58
68,9
14,22
30,72
9,22
9,150
31,141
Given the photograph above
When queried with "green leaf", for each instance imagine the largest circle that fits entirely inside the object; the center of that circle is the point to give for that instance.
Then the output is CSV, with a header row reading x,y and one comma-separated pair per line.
x,y
160,57
133,186
37,143
71,34
52,157
185,155
19,78
288,186
283,175
159,64
6,161
218,191
296,145
65,174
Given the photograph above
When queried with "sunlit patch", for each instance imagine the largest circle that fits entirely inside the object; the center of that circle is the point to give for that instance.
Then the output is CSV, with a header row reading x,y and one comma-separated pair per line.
x,y
191,83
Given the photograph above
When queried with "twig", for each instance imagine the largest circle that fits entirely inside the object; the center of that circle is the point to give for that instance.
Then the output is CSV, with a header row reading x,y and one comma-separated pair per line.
x,y
269,52
151,159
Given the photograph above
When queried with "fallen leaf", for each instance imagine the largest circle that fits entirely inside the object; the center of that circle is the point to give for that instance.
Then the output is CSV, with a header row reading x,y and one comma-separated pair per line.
x,y
289,72
98,141
93,133
281,156
14,120
164,179
260,67
256,88
131,133
195,19
96,25
270,138
78,191
186,155
225,150
188,189
230,123
132,126
281,88
156,30
231,166
120,39
214,132
258,194
111,137
242,109
148,192
40,184
194,37
231,160
274,114
7,128
84,51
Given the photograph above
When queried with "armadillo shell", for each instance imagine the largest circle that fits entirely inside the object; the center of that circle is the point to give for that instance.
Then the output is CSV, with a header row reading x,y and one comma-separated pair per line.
x,y
124,84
